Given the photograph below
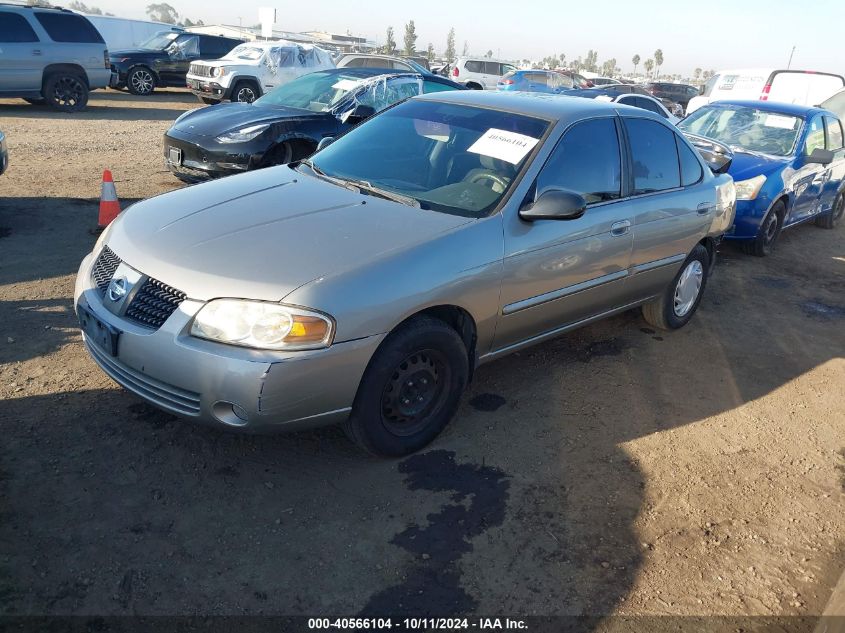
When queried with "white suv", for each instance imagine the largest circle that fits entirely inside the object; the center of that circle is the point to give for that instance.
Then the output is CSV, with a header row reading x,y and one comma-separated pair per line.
x,y
254,68
479,73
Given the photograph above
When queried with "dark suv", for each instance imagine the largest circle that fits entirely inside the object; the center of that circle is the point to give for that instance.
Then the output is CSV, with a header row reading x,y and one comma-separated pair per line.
x,y
50,55
679,93
164,59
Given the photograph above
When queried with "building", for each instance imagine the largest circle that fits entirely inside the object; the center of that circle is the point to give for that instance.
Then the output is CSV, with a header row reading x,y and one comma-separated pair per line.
x,y
344,43
328,41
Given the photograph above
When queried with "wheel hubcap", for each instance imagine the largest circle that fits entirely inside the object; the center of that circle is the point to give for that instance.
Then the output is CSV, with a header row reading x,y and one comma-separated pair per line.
x,y
771,228
69,91
689,285
142,81
839,209
246,95
414,391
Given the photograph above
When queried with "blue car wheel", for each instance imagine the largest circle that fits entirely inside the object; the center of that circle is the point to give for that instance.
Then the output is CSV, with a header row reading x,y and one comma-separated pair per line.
x,y
831,219
770,228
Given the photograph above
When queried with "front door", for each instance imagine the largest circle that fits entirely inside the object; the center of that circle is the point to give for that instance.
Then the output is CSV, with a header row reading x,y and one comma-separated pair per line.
x,y
181,52
559,272
809,177
21,55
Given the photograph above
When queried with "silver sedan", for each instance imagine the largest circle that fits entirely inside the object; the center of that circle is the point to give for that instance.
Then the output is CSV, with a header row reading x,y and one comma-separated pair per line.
x,y
365,285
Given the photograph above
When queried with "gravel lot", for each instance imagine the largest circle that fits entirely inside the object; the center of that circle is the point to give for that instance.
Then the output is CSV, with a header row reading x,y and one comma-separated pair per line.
x,y
616,470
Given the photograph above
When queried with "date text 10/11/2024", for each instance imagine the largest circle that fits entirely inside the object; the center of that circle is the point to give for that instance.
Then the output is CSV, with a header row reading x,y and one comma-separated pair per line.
x,y
417,624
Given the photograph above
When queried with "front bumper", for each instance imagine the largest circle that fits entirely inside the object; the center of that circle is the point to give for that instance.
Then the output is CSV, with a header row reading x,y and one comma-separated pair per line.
x,y
201,157
208,88
222,385
749,218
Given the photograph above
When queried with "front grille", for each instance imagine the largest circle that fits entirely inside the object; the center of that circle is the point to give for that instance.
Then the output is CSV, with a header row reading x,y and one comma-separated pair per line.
x,y
154,303
200,70
104,269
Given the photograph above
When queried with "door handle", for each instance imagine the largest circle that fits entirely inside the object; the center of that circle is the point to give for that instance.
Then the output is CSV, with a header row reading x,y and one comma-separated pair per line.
x,y
620,228
704,208
36,51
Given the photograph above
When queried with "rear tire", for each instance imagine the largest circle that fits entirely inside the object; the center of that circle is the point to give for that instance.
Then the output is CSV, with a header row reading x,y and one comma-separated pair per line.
x,y
474,86
410,390
245,91
768,234
675,307
831,219
66,92
141,81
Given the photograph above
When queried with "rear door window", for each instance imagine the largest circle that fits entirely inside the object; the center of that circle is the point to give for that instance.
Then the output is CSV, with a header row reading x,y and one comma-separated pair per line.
x,y
493,68
69,27
834,133
586,161
648,104
654,156
691,171
474,66
355,62
14,28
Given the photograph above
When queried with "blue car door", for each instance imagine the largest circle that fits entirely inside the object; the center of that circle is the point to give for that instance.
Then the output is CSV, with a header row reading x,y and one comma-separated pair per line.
x,y
835,172
809,177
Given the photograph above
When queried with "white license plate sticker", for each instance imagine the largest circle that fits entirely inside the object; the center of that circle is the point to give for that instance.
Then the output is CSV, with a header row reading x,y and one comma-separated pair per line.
x,y
174,155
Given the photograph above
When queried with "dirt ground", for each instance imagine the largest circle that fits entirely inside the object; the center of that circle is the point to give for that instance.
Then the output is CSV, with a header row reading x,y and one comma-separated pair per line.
x,y
616,470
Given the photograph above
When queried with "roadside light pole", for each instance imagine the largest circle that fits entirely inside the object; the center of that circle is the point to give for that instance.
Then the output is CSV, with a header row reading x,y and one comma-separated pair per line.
x,y
789,65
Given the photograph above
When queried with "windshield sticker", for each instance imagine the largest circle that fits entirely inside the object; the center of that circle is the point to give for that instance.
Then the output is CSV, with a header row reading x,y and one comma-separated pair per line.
x,y
346,84
604,98
433,130
783,122
507,146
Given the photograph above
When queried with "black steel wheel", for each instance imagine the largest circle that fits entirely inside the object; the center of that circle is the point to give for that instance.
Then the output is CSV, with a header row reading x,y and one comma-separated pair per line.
x,y
66,92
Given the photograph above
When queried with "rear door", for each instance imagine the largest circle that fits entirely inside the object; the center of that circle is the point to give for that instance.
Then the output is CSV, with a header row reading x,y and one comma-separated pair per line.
x,y
835,172
559,272
21,55
670,209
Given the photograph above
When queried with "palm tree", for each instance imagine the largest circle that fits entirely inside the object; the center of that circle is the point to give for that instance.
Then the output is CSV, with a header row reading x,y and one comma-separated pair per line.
x,y
649,64
636,62
697,74
658,61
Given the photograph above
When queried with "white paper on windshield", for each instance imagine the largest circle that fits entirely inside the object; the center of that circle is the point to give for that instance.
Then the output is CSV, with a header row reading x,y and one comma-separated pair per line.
x,y
776,120
604,98
507,146
346,84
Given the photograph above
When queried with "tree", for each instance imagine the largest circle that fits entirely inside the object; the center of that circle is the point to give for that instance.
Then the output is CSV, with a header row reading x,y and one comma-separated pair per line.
x,y
84,8
608,67
38,3
410,38
389,47
636,61
450,46
162,12
429,53
697,74
489,54
649,64
592,61
466,48
658,61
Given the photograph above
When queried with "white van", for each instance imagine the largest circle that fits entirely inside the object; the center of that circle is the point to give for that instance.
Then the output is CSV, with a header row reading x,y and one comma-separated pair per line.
x,y
123,34
479,73
804,87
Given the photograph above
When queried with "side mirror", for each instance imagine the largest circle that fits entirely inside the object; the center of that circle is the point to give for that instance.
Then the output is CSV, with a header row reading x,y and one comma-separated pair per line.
x,y
325,142
718,156
555,204
820,157
359,113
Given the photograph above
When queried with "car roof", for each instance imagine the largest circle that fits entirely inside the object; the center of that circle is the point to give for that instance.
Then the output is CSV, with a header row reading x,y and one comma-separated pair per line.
x,y
793,109
537,104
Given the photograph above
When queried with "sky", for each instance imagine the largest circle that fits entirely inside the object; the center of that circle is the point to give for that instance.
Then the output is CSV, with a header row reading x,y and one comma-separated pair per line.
x,y
707,34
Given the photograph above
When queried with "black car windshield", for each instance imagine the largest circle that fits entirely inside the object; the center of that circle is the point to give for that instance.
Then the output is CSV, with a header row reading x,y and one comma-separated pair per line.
x,y
159,41
448,157
318,92
745,128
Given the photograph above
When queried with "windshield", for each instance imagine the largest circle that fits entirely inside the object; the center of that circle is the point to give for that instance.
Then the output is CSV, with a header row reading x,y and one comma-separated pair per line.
x,y
745,128
318,92
447,157
245,51
159,41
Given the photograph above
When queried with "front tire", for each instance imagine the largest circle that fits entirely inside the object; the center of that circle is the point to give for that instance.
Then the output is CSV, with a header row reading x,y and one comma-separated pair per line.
x,y
245,92
675,307
66,92
410,390
830,220
141,81
768,234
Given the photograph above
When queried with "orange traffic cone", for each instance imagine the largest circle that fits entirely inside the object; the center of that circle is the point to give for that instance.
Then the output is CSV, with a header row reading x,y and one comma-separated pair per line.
x,y
109,204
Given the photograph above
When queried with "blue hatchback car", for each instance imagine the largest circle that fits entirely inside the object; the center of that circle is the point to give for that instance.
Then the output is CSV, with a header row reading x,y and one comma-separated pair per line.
x,y
547,81
788,165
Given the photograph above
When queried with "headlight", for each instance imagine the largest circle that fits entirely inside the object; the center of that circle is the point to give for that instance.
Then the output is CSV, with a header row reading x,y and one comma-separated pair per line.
x,y
748,189
218,71
262,325
243,135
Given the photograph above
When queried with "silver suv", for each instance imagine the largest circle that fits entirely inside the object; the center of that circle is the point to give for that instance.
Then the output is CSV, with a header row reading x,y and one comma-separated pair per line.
x,y
50,55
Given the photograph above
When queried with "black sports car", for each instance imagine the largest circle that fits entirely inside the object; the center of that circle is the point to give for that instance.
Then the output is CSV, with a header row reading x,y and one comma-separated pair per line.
x,y
288,123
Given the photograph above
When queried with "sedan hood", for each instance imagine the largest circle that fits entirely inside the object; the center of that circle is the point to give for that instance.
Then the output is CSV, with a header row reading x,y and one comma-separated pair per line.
x,y
745,166
263,234
137,52
215,120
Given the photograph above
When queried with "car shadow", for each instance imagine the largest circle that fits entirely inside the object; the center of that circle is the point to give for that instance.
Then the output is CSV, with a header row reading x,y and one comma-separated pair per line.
x,y
525,505
110,106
